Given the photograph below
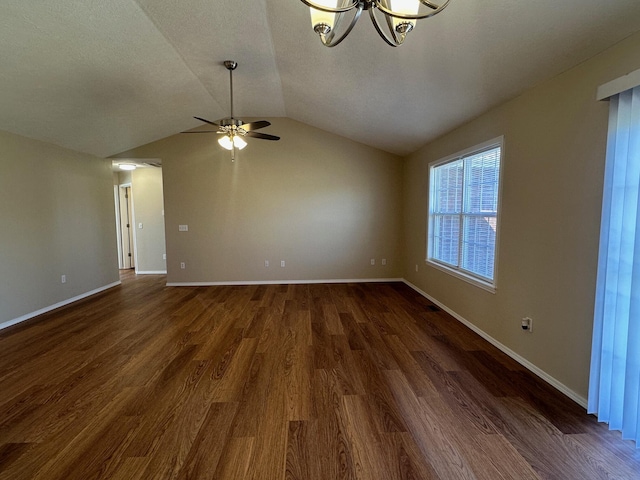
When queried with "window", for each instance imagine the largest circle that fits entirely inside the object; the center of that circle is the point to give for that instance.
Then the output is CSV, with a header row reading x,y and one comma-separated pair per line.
x,y
463,213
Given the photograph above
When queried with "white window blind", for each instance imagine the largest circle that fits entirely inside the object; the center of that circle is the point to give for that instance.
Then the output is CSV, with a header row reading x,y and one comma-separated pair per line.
x,y
463,214
614,383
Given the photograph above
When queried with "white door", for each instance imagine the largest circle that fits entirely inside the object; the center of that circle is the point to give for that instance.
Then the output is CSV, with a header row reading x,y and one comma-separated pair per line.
x,y
126,227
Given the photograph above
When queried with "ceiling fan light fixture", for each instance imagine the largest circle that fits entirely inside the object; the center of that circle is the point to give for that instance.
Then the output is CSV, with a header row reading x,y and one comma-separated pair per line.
x,y
229,142
399,17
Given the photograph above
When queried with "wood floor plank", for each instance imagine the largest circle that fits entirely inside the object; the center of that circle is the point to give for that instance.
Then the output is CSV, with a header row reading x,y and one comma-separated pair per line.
x,y
230,386
210,442
10,452
406,461
419,381
363,434
234,461
315,382
329,449
435,442
387,415
299,460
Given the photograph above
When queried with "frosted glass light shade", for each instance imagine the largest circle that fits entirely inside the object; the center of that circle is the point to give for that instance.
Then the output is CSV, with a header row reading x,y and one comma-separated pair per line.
x,y
409,7
230,142
318,17
225,142
127,166
239,142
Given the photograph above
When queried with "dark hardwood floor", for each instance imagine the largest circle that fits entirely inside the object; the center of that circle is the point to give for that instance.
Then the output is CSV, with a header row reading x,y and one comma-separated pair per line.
x,y
357,381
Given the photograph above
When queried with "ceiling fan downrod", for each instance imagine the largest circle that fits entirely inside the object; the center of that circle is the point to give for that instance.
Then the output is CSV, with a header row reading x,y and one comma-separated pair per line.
x,y
231,66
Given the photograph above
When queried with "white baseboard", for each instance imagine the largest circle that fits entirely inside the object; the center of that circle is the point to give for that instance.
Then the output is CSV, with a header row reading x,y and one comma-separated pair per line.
x,y
283,282
580,400
15,321
151,272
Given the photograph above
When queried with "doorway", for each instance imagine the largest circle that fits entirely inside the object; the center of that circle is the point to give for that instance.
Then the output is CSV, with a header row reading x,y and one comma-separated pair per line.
x,y
126,241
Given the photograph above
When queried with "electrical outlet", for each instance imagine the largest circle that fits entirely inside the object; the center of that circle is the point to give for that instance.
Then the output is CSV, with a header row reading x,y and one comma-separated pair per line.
x,y
282,263
63,279
527,324
373,261
383,261
416,267
164,256
266,263
183,265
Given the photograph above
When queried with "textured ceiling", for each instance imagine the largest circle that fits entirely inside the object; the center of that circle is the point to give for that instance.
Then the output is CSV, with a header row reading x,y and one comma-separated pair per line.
x,y
104,77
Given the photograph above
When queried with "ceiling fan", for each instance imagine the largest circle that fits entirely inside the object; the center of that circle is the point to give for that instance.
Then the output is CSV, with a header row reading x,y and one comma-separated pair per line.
x,y
232,128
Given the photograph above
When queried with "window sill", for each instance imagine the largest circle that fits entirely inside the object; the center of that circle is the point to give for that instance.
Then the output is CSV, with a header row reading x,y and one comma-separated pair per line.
x,y
489,287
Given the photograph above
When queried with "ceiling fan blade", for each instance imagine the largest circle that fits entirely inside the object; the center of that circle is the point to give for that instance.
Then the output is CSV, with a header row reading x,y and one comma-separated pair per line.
x,y
263,136
255,125
207,121
203,131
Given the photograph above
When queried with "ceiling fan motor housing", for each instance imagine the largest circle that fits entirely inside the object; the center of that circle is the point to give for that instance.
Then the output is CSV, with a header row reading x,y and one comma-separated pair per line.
x,y
227,122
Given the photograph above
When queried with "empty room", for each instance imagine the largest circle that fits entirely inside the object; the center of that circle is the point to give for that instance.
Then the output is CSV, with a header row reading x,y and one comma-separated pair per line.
x,y
319,239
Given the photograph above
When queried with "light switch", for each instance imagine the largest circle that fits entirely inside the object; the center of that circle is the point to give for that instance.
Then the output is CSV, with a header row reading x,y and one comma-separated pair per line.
x,y
183,228
140,225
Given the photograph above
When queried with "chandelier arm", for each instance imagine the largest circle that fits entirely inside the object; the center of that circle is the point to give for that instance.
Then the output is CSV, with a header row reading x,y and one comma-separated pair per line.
x,y
352,5
390,41
394,36
430,4
330,42
405,16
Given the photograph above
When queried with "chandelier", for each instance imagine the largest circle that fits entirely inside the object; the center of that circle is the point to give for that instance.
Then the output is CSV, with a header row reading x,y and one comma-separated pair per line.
x,y
399,16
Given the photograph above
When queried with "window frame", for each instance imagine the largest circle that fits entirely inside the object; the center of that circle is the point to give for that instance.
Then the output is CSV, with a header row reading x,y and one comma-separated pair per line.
x,y
458,271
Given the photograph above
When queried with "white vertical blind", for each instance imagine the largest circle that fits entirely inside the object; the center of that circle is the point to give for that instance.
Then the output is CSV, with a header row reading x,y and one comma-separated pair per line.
x,y
614,386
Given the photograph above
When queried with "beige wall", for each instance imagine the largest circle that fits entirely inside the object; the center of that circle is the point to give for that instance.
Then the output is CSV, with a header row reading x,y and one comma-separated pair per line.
x,y
554,154
58,218
323,204
148,207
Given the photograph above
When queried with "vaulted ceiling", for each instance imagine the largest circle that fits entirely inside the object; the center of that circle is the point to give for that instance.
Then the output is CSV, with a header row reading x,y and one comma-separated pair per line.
x,y
103,77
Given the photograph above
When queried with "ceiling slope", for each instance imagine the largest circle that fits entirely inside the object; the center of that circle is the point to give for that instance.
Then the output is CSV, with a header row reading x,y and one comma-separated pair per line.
x,y
105,77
